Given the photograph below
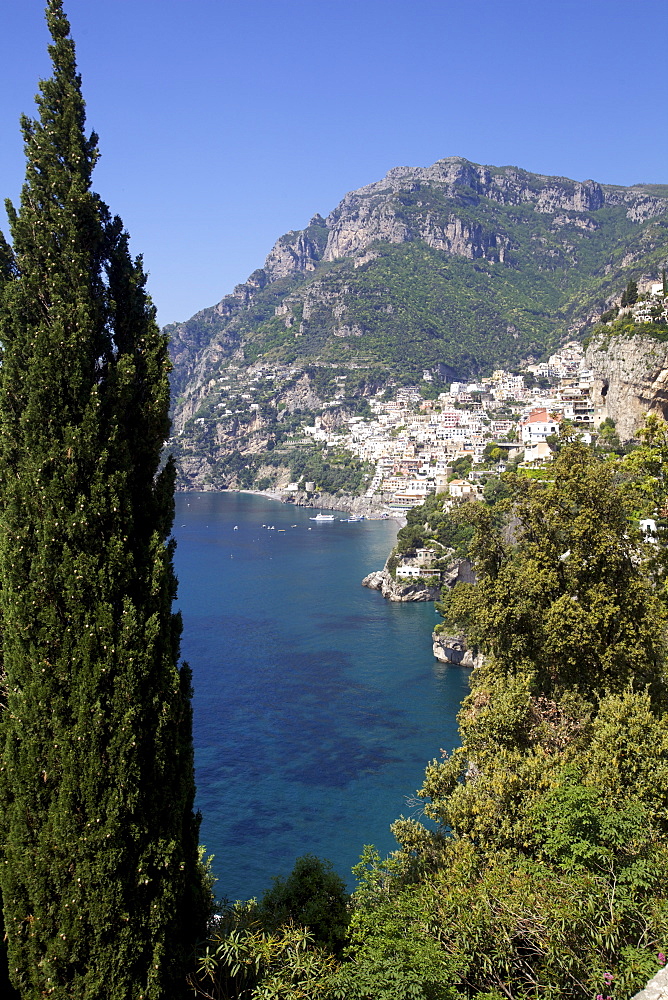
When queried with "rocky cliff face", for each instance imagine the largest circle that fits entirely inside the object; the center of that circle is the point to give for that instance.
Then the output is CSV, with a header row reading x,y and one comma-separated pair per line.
x,y
373,212
297,252
631,379
460,571
394,590
446,207
454,649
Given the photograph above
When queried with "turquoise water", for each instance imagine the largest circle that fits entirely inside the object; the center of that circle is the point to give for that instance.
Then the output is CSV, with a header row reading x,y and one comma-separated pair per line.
x,y
317,703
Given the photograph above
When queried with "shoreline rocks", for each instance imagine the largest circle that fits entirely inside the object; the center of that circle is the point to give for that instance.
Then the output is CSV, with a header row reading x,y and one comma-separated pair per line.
x,y
460,571
453,649
392,590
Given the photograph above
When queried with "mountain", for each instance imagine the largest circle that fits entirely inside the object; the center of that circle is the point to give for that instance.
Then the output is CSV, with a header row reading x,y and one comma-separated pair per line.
x,y
456,267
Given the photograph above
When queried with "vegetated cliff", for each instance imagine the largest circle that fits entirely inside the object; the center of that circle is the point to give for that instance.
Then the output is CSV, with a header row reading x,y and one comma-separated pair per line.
x,y
456,267
631,375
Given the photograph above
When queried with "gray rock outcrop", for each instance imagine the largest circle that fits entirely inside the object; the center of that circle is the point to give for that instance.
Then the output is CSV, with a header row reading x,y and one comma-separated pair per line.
x,y
460,571
453,649
630,380
657,987
370,213
393,590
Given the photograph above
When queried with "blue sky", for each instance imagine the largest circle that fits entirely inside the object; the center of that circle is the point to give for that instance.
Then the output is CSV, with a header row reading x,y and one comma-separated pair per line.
x,y
225,123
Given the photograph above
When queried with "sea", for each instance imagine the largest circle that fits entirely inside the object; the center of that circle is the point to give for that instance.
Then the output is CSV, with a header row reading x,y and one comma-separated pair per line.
x,y
317,703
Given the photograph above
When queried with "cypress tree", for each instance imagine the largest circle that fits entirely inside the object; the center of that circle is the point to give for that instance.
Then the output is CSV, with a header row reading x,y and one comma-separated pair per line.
x,y
99,873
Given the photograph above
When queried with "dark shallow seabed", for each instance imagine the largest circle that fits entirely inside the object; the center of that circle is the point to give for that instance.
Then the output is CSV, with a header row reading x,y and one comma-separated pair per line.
x,y
317,703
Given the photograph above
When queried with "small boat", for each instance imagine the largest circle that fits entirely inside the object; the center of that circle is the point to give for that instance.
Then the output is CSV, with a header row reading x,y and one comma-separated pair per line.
x,y
354,517
322,517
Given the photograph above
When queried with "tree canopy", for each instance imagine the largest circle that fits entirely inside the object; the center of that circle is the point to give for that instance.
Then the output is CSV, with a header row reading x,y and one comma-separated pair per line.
x,y
539,864
99,874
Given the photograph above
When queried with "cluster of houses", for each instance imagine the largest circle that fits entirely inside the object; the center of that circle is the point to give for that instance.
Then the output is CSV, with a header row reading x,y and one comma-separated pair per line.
x,y
419,567
414,444
651,308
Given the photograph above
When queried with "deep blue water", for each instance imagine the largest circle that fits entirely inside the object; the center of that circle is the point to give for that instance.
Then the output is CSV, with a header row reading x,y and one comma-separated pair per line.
x,y
317,703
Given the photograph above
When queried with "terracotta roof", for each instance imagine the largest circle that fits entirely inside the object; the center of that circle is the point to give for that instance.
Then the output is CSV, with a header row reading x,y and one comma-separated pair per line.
x,y
538,416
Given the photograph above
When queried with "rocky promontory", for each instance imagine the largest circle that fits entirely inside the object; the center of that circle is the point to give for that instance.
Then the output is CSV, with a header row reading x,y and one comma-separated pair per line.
x,y
369,507
460,571
395,590
453,649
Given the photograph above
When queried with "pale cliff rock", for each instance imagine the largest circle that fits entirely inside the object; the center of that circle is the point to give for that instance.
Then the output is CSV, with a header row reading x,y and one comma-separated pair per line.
x,y
394,590
372,213
657,987
453,649
461,571
631,380
292,254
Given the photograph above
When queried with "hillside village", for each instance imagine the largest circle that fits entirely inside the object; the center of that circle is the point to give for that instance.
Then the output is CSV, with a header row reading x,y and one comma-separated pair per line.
x,y
407,442
417,445
411,445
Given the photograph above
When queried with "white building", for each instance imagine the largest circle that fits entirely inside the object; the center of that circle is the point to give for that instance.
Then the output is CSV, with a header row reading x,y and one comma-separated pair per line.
x,y
537,427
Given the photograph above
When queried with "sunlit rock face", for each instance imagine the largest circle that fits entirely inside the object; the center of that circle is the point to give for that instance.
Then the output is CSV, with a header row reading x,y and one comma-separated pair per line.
x,y
631,380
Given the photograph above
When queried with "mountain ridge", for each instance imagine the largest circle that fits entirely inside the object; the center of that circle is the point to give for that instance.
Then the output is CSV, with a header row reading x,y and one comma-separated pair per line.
x,y
457,267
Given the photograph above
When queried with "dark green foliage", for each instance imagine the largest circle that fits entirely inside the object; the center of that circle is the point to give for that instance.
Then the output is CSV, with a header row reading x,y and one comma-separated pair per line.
x,y
541,865
567,585
100,881
630,293
411,537
242,960
430,522
331,472
494,491
607,437
496,924
430,525
312,896
462,467
610,314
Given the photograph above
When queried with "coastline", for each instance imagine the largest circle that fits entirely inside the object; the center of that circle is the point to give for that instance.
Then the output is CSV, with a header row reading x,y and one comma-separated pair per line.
x,y
276,661
373,509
